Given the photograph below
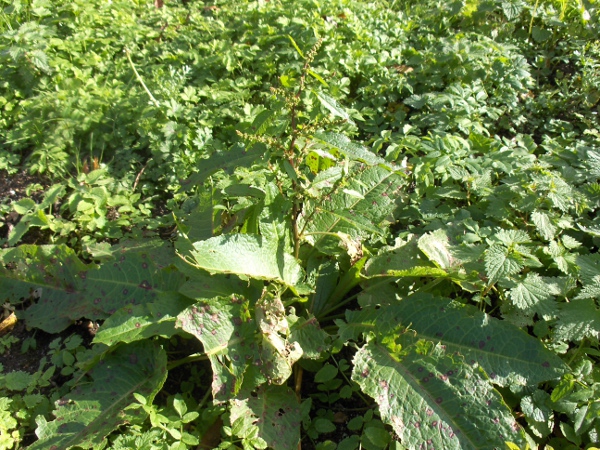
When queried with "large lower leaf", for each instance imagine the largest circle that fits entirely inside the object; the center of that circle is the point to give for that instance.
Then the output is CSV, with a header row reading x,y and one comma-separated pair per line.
x,y
434,399
97,407
508,354
504,351
274,411
248,255
67,289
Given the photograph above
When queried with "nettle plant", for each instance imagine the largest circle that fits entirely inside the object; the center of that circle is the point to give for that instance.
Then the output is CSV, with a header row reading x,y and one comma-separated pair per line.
x,y
288,258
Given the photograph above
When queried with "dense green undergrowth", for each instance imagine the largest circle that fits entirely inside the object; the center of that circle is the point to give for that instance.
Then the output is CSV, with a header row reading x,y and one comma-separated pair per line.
x,y
341,224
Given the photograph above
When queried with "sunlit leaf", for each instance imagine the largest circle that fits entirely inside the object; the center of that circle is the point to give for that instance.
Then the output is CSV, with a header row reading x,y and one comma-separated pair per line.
x,y
434,398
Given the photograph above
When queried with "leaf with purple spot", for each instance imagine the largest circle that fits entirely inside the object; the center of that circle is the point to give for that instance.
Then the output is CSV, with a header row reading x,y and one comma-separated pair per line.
x,y
143,321
70,289
423,403
505,352
227,331
273,411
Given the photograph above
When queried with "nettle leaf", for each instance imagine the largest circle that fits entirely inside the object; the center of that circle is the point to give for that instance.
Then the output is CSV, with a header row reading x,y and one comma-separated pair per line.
x,y
434,398
590,290
226,329
512,237
98,406
578,319
544,225
589,267
512,9
533,294
273,411
501,262
247,255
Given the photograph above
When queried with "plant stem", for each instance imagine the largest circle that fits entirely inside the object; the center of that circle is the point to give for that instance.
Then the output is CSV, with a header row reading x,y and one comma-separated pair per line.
x,y
188,359
139,78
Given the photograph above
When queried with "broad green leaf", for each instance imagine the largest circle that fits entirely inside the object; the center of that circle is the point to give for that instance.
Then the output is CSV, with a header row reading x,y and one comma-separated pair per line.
x,y
278,354
436,247
247,255
309,336
321,162
23,206
227,332
67,289
405,259
434,398
326,373
504,351
135,322
346,212
202,286
98,406
325,277
507,354
274,411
